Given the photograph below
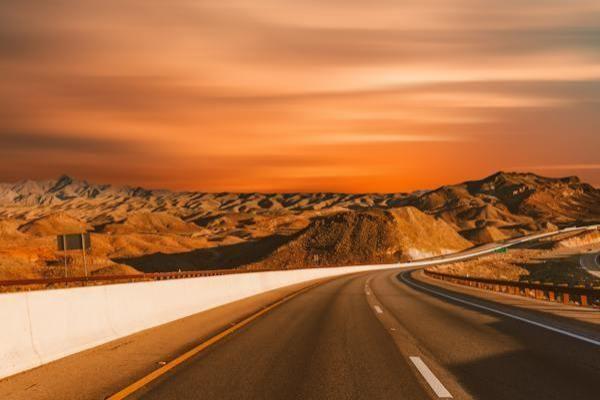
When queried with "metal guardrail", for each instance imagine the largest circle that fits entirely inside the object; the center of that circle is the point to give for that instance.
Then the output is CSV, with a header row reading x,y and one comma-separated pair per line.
x,y
578,295
44,283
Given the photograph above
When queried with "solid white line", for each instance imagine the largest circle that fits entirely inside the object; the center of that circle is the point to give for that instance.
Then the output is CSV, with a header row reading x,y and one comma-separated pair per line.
x,y
431,379
539,324
378,309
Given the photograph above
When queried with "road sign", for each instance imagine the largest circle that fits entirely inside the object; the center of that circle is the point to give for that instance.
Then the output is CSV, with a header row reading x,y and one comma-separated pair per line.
x,y
74,241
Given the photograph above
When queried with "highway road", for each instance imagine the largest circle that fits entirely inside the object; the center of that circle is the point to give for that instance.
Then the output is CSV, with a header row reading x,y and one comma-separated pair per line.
x,y
376,334
385,335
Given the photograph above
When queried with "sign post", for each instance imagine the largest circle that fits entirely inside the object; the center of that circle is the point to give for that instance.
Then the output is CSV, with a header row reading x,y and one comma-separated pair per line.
x,y
83,251
64,240
75,241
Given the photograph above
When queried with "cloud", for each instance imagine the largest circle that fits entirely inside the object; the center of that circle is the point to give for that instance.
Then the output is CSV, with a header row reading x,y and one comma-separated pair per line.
x,y
34,142
376,138
209,91
561,167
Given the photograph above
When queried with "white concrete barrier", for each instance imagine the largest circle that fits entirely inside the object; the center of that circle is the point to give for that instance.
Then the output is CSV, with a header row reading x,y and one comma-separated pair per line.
x,y
41,326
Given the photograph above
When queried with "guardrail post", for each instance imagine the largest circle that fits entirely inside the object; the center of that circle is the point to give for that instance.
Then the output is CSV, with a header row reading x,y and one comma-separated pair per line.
x,y
564,294
582,297
534,291
527,288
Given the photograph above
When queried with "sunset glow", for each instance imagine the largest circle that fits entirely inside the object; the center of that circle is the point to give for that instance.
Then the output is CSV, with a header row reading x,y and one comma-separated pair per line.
x,y
277,95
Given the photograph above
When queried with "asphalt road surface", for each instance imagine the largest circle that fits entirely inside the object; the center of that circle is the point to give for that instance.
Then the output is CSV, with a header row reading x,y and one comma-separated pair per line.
x,y
380,336
591,262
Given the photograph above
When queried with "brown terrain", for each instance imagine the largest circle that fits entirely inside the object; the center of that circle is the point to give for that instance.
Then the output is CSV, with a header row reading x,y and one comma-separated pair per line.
x,y
552,260
140,230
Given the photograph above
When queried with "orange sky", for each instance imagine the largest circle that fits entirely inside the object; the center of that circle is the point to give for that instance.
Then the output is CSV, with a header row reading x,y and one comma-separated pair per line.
x,y
303,95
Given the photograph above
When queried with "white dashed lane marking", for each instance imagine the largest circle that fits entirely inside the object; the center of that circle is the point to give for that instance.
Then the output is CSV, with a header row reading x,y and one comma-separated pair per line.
x,y
431,379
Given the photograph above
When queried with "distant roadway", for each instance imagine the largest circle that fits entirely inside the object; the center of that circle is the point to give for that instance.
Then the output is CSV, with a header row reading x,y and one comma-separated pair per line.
x,y
591,262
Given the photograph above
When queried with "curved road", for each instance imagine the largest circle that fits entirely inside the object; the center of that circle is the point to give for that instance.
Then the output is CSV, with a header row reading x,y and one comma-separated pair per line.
x,y
378,336
591,262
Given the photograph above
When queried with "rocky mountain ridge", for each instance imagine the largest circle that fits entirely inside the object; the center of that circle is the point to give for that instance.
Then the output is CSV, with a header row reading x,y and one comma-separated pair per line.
x,y
503,199
137,229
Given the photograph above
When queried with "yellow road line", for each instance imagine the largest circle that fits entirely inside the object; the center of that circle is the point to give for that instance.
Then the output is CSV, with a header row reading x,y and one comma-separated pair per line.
x,y
189,354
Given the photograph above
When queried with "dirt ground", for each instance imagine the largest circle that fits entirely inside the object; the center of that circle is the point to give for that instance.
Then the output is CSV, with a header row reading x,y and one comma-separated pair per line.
x,y
553,261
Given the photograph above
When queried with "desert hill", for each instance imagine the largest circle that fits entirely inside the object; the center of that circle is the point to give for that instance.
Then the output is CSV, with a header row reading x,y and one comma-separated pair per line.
x,y
512,203
148,222
366,237
165,230
107,203
343,238
520,200
486,234
54,224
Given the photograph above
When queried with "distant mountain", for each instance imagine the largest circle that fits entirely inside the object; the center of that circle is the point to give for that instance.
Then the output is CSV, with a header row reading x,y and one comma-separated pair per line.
x,y
61,191
108,203
510,203
136,229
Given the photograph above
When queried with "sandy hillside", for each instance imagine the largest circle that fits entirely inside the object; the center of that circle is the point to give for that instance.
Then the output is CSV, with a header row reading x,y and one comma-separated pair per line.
x,y
513,204
147,222
366,237
586,239
552,260
54,224
161,230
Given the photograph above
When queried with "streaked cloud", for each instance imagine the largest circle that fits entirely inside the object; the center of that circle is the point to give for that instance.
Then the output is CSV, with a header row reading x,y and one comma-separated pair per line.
x,y
359,138
242,94
28,142
560,167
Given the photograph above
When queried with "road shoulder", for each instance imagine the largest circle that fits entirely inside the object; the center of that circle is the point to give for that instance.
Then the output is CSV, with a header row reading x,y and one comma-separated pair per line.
x,y
98,372
584,321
